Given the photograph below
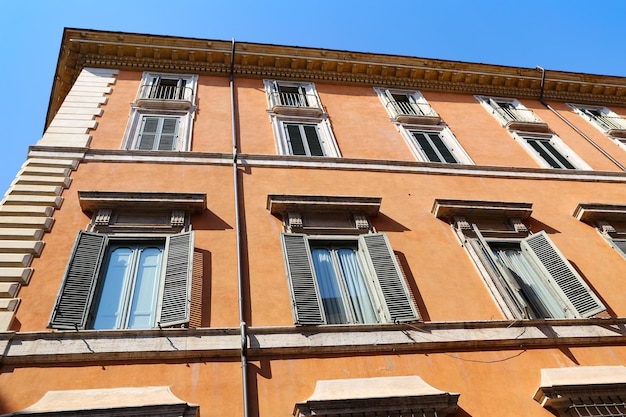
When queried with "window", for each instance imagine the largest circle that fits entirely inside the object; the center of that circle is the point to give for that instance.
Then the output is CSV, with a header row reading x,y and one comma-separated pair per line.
x,y
550,151
161,117
133,268
125,284
158,133
526,274
608,219
407,106
301,127
339,270
604,119
435,145
351,281
512,114
428,137
589,391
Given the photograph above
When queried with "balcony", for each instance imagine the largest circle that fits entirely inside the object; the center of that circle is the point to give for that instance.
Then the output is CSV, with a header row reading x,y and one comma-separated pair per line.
x,y
521,119
412,112
164,96
295,103
614,125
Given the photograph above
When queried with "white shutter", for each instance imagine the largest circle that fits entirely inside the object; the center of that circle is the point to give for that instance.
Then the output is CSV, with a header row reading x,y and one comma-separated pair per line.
x,y
72,307
306,302
577,297
391,284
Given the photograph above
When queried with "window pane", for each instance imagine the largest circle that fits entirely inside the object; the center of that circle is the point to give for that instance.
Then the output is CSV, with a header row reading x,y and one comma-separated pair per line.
x,y
109,311
565,163
143,308
148,133
328,286
425,145
442,149
355,283
167,139
549,154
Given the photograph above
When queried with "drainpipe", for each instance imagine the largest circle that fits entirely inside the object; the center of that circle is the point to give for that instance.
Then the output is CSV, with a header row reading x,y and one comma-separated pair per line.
x,y
242,317
570,124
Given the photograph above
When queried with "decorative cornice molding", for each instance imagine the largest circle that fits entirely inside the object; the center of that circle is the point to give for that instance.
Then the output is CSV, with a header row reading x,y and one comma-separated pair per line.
x,y
80,48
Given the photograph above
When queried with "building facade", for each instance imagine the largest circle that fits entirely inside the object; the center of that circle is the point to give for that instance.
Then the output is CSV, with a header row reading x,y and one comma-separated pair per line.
x,y
211,227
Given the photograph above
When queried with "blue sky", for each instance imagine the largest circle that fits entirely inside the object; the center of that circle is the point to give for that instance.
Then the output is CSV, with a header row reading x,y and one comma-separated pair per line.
x,y
557,35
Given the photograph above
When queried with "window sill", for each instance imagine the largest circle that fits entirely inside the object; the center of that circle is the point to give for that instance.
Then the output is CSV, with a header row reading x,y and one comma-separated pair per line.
x,y
297,111
528,126
417,119
153,103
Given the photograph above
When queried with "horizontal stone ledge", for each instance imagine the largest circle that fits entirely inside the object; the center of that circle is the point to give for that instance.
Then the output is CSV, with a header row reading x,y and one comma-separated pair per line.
x,y
33,247
432,337
53,162
55,171
35,200
29,189
45,180
20,234
24,210
44,223
20,275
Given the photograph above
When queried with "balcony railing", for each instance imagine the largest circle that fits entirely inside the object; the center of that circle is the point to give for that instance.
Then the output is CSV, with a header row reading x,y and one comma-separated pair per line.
x,y
170,96
523,119
295,103
411,112
614,125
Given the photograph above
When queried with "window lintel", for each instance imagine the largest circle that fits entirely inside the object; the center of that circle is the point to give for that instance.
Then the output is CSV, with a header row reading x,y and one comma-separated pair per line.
x,y
92,201
447,209
590,213
343,397
280,204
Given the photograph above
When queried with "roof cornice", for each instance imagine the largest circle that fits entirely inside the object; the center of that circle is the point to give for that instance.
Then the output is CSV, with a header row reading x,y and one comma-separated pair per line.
x,y
129,51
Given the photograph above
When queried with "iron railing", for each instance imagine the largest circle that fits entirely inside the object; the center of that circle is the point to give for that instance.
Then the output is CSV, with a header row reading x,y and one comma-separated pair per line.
x,y
401,108
166,92
294,99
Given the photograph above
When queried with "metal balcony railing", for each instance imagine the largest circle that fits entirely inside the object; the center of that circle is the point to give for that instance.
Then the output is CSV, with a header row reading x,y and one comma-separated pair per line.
x,y
611,122
408,108
166,92
295,99
517,115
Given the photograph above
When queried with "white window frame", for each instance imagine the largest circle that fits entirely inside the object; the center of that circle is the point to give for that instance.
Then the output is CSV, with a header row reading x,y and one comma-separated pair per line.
x,y
148,79
448,139
427,114
556,142
620,139
505,289
525,115
324,130
308,89
137,115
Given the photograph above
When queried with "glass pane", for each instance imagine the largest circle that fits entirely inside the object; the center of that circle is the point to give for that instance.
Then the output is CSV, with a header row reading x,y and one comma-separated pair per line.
x,y
143,308
313,140
442,148
109,311
565,163
426,146
355,283
328,286
536,145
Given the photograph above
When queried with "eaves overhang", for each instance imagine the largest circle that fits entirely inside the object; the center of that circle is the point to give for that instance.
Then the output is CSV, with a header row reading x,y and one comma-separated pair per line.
x,y
82,48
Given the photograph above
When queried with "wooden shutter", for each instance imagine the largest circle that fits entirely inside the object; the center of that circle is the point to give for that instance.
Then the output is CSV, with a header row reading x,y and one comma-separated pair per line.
x,y
306,303
392,286
577,296
176,295
169,134
73,302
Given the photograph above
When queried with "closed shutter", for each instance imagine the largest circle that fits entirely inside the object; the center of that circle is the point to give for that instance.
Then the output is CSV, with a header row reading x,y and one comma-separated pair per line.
x,y
392,286
313,139
169,134
562,276
621,245
306,303
175,302
148,133
73,302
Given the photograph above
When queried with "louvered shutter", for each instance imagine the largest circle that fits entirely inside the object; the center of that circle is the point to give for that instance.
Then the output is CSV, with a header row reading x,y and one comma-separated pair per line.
x,y
148,133
577,296
306,303
621,245
393,288
73,303
176,295
169,134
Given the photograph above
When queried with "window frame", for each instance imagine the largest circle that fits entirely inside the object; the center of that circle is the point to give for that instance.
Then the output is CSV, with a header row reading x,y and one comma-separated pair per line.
x,y
307,306
136,121
525,120
150,79
447,138
76,299
276,105
324,130
617,134
558,276
427,115
557,143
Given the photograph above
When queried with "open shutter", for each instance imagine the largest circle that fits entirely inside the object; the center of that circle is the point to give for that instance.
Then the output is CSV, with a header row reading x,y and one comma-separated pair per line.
x,y
392,286
306,303
505,283
73,302
176,298
577,296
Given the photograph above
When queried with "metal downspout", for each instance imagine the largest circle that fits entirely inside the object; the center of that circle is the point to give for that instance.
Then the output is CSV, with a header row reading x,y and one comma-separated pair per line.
x,y
242,318
570,124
